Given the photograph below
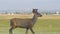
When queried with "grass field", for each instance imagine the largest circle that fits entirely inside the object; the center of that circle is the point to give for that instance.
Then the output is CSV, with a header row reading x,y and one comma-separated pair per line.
x,y
44,25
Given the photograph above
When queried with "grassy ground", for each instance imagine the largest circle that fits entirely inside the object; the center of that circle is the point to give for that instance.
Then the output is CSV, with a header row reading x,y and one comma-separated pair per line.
x,y
42,26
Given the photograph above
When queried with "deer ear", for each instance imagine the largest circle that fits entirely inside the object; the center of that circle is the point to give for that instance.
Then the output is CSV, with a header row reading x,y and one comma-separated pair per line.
x,y
34,10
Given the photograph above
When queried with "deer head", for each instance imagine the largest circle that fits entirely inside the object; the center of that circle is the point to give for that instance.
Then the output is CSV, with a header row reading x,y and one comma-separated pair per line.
x,y
35,12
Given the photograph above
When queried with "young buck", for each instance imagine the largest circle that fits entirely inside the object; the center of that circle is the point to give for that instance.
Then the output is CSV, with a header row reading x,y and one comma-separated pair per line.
x,y
24,23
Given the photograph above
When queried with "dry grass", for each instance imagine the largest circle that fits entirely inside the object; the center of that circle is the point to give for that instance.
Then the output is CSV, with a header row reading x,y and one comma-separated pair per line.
x,y
4,16
50,17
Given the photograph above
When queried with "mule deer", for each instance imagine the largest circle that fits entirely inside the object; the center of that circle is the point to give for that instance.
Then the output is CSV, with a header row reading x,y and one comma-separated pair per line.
x,y
24,23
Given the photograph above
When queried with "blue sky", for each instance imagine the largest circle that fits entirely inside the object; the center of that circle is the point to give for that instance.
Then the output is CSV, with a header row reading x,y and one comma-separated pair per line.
x,y
29,4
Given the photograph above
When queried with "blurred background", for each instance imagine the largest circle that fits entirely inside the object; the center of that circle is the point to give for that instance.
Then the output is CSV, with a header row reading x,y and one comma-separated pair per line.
x,y
49,23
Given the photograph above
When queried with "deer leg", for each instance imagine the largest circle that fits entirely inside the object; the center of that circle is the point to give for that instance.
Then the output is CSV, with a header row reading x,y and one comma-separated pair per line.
x,y
10,30
26,30
32,30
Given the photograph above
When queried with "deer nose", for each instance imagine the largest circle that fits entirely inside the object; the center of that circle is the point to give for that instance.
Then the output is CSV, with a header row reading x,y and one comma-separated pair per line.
x,y
40,15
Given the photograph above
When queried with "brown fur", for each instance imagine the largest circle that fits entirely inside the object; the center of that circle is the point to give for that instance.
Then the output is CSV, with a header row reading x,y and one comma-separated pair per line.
x,y
24,23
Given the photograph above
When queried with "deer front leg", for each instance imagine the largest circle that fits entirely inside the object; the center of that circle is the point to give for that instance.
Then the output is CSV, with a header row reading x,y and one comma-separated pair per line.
x,y
32,30
26,30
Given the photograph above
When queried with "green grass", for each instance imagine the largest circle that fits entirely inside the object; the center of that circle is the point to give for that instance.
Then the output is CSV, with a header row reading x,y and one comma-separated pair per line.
x,y
42,26
48,25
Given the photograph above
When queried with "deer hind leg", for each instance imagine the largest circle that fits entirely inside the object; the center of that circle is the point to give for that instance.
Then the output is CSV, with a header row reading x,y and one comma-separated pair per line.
x,y
27,30
32,30
10,30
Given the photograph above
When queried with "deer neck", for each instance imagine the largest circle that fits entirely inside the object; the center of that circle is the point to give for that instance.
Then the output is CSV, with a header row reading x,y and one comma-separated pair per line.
x,y
34,19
